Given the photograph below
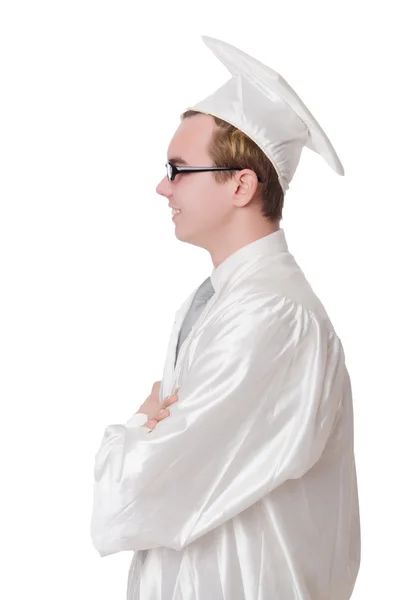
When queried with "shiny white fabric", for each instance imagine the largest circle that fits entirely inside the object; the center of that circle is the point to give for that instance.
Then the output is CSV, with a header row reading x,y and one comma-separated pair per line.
x,y
247,491
259,102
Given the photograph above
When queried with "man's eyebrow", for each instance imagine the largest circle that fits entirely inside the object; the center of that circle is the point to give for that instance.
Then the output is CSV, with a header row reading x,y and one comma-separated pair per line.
x,y
177,159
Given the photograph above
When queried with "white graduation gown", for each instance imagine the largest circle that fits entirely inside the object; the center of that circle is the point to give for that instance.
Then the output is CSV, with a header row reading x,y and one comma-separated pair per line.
x,y
247,491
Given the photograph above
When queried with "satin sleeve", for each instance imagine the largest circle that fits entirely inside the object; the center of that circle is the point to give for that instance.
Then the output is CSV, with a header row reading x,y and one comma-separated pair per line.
x,y
138,420
256,408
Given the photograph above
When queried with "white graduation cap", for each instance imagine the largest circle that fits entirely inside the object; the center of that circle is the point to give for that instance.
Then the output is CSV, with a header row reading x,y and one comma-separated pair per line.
x,y
259,102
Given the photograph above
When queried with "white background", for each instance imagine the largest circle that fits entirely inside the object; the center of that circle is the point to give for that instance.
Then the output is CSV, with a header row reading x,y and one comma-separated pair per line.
x,y
92,273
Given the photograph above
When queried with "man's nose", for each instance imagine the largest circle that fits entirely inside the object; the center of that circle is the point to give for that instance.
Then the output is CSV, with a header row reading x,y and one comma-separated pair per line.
x,y
164,188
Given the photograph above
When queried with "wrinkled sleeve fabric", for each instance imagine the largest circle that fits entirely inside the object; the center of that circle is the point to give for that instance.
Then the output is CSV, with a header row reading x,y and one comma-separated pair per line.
x,y
138,420
256,408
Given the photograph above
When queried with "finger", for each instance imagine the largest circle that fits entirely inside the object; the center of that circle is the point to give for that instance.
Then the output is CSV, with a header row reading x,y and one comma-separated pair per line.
x,y
156,386
174,395
170,400
151,424
164,413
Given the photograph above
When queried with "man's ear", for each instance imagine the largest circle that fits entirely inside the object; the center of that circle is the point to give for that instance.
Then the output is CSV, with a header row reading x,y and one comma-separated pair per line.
x,y
246,184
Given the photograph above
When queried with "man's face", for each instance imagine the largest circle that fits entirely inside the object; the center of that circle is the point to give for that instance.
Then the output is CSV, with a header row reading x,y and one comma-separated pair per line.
x,y
205,204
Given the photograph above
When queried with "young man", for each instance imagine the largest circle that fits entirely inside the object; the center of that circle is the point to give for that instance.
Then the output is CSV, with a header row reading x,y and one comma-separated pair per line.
x,y
246,488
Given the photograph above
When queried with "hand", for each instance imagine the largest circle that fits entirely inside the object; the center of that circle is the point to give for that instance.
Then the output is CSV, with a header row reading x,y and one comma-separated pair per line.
x,y
163,412
152,407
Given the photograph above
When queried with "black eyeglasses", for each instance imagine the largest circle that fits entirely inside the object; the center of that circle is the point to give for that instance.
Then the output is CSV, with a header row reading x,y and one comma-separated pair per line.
x,y
173,170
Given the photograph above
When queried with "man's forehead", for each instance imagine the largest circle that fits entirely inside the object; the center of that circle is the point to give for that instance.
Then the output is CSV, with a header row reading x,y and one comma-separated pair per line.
x,y
179,150
190,141
179,154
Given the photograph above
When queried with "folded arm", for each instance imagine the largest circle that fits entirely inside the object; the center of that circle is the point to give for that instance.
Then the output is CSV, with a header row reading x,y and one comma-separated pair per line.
x,y
256,408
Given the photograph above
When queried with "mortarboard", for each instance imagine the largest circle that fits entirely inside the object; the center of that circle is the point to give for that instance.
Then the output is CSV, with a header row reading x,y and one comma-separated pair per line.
x,y
259,102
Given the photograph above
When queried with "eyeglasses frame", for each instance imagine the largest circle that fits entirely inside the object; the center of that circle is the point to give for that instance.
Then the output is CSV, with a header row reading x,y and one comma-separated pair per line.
x,y
175,170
